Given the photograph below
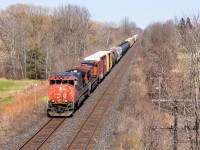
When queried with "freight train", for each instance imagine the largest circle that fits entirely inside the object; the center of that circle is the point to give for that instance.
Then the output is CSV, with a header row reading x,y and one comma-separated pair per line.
x,y
68,89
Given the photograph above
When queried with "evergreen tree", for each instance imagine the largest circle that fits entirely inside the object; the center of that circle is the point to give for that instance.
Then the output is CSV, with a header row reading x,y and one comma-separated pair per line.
x,y
182,29
182,24
188,23
35,63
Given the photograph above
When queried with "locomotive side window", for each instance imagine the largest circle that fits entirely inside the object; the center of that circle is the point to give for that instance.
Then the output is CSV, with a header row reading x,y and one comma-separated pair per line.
x,y
88,65
71,82
52,82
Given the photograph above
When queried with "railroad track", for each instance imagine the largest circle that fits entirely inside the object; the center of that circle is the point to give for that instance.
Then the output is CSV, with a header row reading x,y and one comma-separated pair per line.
x,y
43,134
84,137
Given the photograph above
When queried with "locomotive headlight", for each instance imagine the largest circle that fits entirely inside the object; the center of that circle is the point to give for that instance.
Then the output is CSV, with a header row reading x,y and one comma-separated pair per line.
x,y
60,88
53,101
65,100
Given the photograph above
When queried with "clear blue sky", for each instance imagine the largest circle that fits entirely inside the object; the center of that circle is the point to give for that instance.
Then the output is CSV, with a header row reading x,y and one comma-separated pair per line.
x,y
142,12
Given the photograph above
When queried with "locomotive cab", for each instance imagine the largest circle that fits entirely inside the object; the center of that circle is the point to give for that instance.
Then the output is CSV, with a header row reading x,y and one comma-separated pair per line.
x,y
93,65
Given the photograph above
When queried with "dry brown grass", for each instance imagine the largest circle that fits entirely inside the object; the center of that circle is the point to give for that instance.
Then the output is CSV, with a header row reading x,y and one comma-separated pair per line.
x,y
22,112
138,115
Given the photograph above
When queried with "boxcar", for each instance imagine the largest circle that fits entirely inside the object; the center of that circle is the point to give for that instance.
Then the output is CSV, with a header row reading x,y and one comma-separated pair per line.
x,y
104,62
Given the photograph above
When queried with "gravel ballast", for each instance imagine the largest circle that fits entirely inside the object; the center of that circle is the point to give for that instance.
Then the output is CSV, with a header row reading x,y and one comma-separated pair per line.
x,y
107,134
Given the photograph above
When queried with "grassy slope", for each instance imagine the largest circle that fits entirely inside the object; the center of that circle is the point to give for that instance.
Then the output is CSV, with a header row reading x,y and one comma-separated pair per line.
x,y
8,87
22,111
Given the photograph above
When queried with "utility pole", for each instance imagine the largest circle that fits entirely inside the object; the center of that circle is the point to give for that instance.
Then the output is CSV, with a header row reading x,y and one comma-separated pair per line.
x,y
159,89
174,128
195,74
197,130
175,125
35,95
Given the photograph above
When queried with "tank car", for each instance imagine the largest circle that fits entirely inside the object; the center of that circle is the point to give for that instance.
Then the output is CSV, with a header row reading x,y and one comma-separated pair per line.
x,y
124,46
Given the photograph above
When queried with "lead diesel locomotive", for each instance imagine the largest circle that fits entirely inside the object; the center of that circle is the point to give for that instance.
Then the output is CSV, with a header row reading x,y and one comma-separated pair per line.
x,y
69,88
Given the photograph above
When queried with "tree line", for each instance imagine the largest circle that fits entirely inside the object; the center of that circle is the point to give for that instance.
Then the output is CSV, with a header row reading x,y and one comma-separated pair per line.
x,y
171,63
36,42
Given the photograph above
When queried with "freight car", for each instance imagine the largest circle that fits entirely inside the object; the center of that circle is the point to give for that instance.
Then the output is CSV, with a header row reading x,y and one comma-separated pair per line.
x,y
124,47
119,51
135,37
131,41
117,54
69,88
103,61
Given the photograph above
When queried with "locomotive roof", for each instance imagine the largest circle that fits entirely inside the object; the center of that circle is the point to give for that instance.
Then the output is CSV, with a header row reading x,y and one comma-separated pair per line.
x,y
69,74
114,48
78,70
88,61
97,55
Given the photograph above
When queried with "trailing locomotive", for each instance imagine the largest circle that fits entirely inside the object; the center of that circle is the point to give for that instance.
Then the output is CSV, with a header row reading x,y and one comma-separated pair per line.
x,y
69,88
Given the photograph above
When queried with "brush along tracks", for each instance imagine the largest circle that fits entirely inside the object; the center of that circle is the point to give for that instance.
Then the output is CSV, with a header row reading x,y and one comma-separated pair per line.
x,y
85,136
43,134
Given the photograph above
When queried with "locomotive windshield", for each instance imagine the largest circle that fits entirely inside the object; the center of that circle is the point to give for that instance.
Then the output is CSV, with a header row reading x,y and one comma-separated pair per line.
x,y
52,82
90,65
57,82
71,82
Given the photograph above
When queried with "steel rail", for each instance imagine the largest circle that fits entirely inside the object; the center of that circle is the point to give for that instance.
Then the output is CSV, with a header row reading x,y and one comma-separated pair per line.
x,y
43,134
82,138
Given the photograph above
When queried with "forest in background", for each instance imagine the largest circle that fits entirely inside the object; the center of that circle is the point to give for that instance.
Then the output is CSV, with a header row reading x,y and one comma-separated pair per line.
x,y
36,42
